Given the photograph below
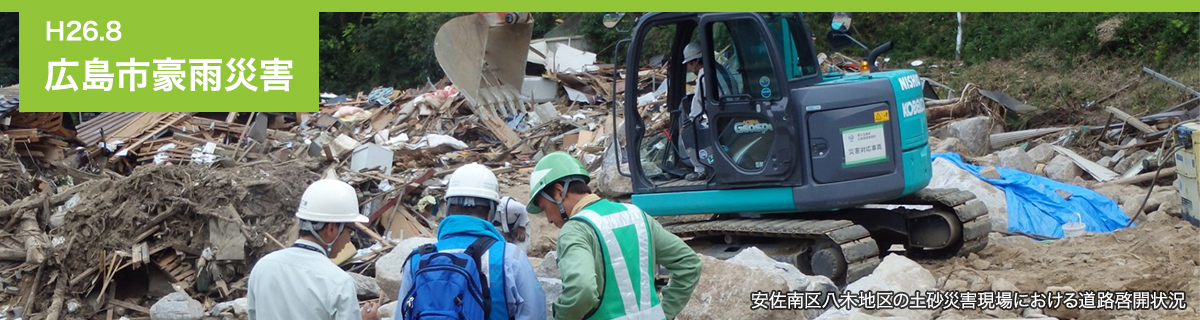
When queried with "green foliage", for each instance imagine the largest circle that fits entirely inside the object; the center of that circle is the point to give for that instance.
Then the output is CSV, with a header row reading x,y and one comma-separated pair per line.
x,y
359,51
9,52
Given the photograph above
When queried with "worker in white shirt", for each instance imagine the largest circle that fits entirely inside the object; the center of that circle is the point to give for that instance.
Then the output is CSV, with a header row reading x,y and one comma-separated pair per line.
x,y
301,282
513,222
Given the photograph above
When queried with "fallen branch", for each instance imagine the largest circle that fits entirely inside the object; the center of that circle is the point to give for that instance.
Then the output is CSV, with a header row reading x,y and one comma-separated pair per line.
x,y
33,201
56,303
1131,120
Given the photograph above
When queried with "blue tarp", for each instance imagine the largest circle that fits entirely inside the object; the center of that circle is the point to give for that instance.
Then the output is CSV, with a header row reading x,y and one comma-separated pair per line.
x,y
1035,207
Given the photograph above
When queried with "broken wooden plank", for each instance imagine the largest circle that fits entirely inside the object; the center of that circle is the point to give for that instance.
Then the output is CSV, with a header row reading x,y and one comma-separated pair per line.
x,y
1131,120
1097,171
129,306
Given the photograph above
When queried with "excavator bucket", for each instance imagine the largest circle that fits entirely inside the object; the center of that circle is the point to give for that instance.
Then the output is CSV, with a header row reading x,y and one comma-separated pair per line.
x,y
484,55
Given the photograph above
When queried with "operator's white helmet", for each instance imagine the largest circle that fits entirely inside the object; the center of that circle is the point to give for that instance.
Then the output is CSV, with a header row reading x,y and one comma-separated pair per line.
x,y
692,52
475,181
330,200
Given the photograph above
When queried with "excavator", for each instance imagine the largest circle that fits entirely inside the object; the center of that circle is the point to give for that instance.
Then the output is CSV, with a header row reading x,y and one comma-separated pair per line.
x,y
822,169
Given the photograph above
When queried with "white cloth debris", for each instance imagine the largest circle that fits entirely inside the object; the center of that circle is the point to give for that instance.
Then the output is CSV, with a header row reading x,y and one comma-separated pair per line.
x,y
435,140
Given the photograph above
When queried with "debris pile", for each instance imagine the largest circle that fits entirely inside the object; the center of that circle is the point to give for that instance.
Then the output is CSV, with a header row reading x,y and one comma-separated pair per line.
x,y
136,214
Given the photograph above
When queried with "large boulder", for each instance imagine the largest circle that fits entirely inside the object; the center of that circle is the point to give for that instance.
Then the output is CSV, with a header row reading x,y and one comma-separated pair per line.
x,y
549,266
365,286
949,176
948,145
1042,153
1163,199
796,281
176,306
895,273
975,133
238,307
553,288
1017,159
388,268
1063,169
609,183
723,291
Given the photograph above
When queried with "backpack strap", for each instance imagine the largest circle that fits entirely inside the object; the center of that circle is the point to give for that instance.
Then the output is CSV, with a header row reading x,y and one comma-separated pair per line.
x,y
476,251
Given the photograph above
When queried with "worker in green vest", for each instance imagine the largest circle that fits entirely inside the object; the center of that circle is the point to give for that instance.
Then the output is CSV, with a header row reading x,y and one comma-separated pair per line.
x,y
607,251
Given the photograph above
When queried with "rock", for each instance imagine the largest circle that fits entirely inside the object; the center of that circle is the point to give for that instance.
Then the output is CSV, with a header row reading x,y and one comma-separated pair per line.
x,y
609,182
1017,159
990,160
237,307
1062,312
948,145
895,273
1117,192
1105,161
1042,153
1160,197
948,175
549,267
1003,285
389,267
755,258
723,291
974,133
543,243
176,306
1158,217
1032,313
981,264
365,286
952,314
1130,161
1061,168
1001,313
553,288
990,173
1064,193
956,284
387,310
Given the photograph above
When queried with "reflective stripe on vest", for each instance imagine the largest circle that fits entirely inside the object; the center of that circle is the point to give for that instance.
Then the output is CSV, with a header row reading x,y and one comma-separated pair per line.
x,y
634,308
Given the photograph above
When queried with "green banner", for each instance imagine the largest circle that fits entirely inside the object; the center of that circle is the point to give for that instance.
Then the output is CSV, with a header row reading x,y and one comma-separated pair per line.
x,y
164,56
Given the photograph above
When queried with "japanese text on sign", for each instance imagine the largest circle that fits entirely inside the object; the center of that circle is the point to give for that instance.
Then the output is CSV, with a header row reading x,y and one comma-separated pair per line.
x,y
168,73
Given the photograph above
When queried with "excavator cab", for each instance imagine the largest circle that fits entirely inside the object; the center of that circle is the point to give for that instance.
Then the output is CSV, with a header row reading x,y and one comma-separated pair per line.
x,y
800,162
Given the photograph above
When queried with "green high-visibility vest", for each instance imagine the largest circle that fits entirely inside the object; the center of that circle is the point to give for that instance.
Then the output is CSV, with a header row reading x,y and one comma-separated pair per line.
x,y
624,234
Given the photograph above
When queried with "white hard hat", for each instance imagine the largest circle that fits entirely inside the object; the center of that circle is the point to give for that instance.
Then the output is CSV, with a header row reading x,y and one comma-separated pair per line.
x,y
330,200
692,52
473,180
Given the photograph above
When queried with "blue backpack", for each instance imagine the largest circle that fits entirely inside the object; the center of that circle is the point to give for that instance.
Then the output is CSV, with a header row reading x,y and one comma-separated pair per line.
x,y
449,285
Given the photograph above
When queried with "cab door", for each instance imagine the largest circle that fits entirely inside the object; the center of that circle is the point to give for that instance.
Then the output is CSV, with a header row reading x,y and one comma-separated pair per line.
x,y
749,139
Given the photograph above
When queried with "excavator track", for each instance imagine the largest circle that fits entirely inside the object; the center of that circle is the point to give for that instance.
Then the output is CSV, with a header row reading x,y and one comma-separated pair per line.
x,y
971,212
854,256
843,250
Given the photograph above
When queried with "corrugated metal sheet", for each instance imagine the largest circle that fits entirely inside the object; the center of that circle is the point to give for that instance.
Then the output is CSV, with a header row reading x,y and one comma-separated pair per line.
x,y
89,132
